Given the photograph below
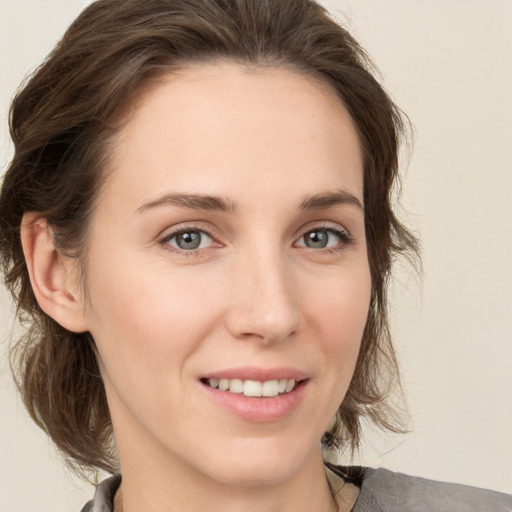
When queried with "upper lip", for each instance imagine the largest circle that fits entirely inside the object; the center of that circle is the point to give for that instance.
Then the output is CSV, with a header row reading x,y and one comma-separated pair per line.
x,y
256,373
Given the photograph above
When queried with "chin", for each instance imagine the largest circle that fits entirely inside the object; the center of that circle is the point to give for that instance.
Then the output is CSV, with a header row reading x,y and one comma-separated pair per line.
x,y
257,463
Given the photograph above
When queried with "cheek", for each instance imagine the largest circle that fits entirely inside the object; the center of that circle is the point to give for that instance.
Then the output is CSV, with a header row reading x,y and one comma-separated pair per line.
x,y
147,314
340,315
342,303
146,322
146,330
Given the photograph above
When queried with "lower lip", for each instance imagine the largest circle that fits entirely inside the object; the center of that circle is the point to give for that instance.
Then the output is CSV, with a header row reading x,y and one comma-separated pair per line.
x,y
256,409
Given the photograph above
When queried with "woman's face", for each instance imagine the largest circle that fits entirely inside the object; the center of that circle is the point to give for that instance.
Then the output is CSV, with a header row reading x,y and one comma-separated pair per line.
x,y
228,249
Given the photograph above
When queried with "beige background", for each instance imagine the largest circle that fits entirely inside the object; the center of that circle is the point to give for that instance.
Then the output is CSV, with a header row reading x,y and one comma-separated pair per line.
x,y
447,64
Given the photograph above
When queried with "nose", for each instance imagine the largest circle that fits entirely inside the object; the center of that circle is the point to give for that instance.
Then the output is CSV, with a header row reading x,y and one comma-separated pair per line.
x,y
264,304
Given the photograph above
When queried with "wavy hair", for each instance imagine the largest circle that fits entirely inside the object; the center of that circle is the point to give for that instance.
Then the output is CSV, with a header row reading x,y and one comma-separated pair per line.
x,y
62,121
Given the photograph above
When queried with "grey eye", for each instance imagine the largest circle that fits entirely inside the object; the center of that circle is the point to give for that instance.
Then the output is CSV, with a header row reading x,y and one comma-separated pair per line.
x,y
316,239
321,238
190,240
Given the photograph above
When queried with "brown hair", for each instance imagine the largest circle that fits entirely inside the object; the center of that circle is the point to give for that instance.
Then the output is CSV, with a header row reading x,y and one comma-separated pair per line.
x,y
61,123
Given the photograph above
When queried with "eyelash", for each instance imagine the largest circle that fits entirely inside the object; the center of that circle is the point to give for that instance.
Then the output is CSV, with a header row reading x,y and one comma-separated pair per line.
x,y
184,229
345,239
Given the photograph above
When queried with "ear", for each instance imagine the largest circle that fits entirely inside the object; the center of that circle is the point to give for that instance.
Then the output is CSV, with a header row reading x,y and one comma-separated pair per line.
x,y
53,277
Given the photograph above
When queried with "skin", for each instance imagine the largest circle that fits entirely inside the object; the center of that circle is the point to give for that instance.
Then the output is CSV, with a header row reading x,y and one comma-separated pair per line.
x,y
253,294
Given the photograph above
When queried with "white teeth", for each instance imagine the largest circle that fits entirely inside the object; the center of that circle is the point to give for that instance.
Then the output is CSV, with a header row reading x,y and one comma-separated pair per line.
x,y
236,386
249,388
252,388
270,388
290,385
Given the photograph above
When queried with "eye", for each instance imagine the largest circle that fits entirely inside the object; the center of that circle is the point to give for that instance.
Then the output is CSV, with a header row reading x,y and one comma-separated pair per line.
x,y
188,240
324,238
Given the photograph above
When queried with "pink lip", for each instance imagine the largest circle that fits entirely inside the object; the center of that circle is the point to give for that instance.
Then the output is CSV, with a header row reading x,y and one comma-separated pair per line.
x,y
258,409
256,373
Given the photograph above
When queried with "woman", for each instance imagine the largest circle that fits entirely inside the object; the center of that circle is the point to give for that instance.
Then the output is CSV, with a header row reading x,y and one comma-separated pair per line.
x,y
197,220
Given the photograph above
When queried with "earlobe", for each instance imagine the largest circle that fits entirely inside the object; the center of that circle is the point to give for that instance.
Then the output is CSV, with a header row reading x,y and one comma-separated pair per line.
x,y
51,277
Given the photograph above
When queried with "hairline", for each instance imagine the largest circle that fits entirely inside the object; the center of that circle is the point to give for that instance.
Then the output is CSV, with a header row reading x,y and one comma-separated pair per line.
x,y
131,103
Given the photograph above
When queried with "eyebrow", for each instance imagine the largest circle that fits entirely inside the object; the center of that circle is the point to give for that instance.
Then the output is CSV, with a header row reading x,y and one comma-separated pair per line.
x,y
329,199
193,201
212,203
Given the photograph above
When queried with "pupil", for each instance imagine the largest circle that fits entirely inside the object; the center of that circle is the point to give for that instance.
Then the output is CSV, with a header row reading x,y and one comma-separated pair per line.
x,y
189,240
317,239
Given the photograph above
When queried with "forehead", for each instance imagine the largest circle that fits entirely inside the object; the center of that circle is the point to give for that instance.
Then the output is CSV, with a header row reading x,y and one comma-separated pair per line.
x,y
205,124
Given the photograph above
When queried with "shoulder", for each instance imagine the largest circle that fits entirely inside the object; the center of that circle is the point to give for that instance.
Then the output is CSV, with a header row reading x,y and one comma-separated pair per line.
x,y
386,491
104,496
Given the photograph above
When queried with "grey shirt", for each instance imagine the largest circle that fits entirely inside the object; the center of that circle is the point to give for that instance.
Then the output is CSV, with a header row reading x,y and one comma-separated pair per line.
x,y
381,491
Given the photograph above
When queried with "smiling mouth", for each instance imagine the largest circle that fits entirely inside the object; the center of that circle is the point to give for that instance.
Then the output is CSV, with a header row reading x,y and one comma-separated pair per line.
x,y
254,388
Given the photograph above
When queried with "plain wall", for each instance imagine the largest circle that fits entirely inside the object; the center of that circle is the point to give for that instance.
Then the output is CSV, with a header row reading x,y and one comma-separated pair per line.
x,y
447,65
